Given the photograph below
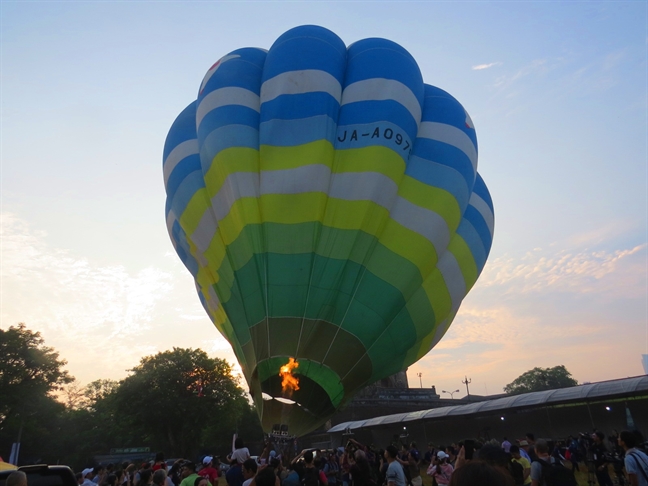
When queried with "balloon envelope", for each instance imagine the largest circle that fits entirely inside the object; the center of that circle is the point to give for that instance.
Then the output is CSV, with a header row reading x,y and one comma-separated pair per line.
x,y
328,205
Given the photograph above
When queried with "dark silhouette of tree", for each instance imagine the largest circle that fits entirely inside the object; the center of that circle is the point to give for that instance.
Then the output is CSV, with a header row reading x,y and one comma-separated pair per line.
x,y
180,400
539,379
29,372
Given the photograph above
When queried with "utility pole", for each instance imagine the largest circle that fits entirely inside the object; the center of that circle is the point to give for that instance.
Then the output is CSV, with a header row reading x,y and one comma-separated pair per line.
x,y
420,379
466,382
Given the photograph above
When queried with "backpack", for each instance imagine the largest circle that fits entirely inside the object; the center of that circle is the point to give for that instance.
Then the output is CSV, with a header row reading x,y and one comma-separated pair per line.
x,y
556,474
517,471
311,477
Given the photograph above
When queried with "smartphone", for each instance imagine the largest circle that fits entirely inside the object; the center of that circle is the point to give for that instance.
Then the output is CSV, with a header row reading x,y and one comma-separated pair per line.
x,y
469,447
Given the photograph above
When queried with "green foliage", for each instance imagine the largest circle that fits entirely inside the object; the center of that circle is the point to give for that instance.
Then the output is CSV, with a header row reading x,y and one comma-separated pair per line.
x,y
539,379
29,372
181,400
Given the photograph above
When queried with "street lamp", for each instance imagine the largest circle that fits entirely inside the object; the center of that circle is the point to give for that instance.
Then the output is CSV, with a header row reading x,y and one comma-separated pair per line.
x,y
450,393
420,379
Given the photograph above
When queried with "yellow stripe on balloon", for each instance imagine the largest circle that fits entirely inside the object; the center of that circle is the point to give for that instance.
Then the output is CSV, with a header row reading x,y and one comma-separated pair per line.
x,y
371,159
410,245
465,259
438,295
293,208
227,162
282,158
190,217
433,198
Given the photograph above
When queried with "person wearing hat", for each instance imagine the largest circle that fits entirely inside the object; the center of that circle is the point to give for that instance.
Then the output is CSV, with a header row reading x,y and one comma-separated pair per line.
x,y
395,475
440,470
524,445
208,471
87,475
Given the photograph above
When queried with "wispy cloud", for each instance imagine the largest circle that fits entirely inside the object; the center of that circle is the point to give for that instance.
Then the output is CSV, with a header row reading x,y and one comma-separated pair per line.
x,y
102,319
546,308
96,310
479,67
581,271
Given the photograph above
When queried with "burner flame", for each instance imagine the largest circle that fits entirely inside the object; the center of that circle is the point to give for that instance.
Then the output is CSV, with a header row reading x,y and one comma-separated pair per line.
x,y
289,382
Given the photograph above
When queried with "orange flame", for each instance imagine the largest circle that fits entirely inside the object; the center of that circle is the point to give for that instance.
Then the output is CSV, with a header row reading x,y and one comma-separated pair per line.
x,y
289,382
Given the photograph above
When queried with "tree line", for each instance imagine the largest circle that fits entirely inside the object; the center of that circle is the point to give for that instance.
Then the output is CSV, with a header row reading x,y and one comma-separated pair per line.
x,y
181,401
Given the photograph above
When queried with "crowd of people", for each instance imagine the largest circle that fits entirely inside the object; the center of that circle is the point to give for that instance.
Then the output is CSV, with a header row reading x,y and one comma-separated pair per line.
x,y
525,462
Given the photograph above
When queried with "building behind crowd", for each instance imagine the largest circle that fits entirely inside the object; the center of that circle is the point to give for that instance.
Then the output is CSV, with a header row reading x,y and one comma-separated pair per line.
x,y
555,414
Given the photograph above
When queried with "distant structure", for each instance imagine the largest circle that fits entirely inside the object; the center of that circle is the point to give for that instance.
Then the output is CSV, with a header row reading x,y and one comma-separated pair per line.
x,y
387,396
644,361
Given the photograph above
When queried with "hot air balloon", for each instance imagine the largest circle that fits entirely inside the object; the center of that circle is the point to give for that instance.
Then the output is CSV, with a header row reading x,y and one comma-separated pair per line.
x,y
327,203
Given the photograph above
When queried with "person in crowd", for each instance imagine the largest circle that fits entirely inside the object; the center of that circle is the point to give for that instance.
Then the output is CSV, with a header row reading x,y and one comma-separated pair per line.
x,y
138,475
175,472
522,461
451,451
440,470
524,446
208,470
635,461
241,453
395,475
265,477
531,449
430,454
234,475
249,470
200,481
312,475
145,477
480,473
16,478
542,453
159,462
295,474
87,475
98,474
599,453
331,469
188,473
506,445
414,465
160,477
360,471
110,480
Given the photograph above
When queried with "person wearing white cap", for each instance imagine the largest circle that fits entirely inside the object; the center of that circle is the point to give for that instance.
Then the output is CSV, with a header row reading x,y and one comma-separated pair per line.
x,y
87,475
208,471
440,469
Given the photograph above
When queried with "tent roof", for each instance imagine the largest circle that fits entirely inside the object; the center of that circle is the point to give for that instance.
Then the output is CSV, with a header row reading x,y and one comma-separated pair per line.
x,y
589,391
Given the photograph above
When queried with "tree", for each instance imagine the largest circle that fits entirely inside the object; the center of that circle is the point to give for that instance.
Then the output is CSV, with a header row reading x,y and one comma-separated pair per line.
x,y
539,379
29,372
175,397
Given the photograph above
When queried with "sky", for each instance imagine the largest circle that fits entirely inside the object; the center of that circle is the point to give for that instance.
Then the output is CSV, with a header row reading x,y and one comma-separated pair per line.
x,y
557,92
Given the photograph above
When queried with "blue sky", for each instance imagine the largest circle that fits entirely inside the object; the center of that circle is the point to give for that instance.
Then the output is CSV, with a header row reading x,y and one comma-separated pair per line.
x,y
557,92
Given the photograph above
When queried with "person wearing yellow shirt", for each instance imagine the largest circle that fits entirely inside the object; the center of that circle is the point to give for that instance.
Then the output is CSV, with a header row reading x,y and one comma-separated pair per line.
x,y
523,461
